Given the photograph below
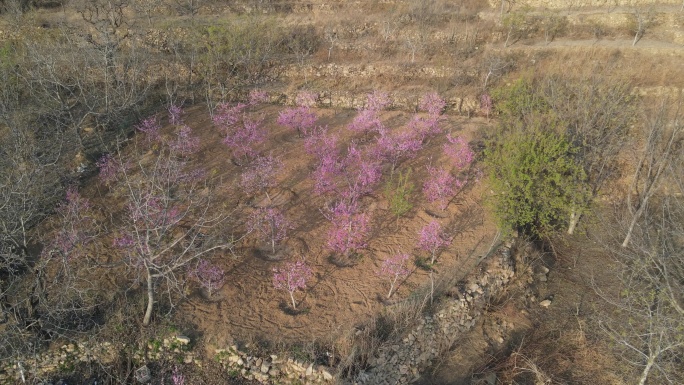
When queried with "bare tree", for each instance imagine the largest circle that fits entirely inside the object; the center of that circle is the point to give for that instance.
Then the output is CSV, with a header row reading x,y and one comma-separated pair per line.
x,y
598,112
645,318
662,145
170,218
642,21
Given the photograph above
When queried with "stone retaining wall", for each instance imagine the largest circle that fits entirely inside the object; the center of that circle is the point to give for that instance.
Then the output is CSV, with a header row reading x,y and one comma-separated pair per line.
x,y
400,362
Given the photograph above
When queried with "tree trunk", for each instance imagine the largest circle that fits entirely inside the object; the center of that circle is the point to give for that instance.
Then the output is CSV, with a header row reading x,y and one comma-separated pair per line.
x,y
150,299
647,370
635,218
574,220
294,305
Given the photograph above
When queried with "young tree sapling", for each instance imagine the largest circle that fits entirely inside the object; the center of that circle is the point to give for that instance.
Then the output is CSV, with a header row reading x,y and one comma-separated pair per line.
x,y
290,277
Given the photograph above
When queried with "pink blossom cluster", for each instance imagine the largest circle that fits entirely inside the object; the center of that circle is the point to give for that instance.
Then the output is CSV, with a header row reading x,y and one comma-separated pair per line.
x,y
175,114
261,174
367,118
432,103
320,143
349,228
432,238
257,97
395,146
306,99
459,151
177,377
109,168
351,175
151,128
211,277
440,186
394,268
301,119
486,104
76,226
292,276
154,211
226,115
427,126
271,224
185,143
360,172
243,138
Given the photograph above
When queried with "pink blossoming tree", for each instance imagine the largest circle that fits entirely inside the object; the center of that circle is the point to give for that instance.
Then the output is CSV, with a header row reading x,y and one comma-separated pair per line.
x,y
440,186
243,138
257,97
396,146
211,277
486,104
76,227
394,268
170,221
459,151
261,175
109,168
428,126
368,118
290,277
175,114
150,127
432,238
271,224
301,118
349,228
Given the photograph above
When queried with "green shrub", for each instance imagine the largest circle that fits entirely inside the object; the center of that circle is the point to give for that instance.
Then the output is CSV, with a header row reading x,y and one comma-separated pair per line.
x,y
534,175
398,191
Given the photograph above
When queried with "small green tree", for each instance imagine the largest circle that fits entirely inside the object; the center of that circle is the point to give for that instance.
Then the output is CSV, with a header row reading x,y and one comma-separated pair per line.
x,y
535,177
398,191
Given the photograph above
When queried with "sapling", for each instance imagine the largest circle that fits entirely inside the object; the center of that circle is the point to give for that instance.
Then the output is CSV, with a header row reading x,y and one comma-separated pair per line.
x,y
290,277
440,185
394,268
151,128
432,239
459,151
209,276
244,137
261,175
109,168
175,115
398,191
349,228
300,119
486,104
396,146
367,118
257,97
271,224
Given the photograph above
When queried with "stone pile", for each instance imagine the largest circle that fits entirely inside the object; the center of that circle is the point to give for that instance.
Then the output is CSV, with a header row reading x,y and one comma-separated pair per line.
x,y
400,362
272,369
59,360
